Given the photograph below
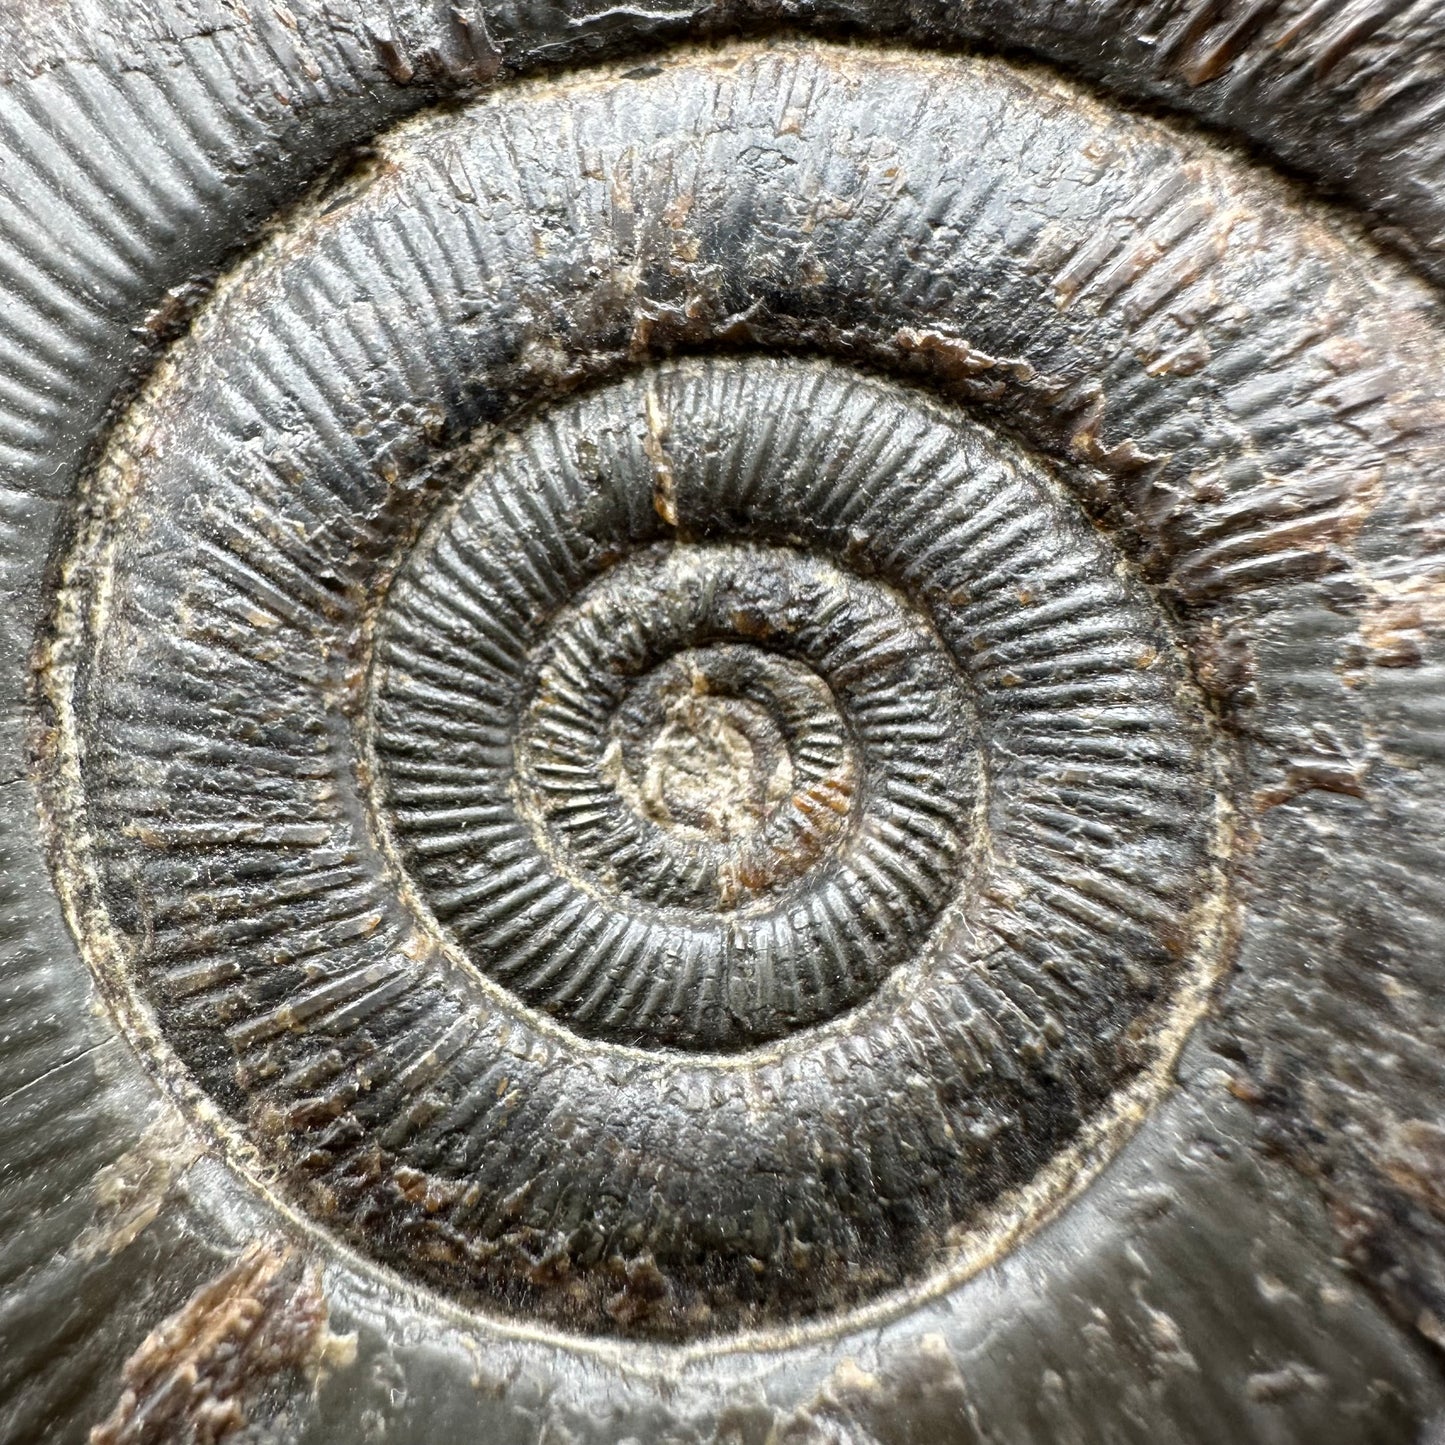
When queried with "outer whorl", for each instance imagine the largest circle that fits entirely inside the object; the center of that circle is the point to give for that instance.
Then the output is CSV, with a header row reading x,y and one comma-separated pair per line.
x,y
745,742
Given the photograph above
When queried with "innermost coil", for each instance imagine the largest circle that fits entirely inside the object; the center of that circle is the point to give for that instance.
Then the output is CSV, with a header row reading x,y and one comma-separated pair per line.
x,y
696,757
723,775
703,722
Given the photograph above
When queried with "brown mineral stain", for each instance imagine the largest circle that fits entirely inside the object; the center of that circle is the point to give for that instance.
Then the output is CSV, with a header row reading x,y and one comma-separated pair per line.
x,y
199,1375
1185,358
1088,444
1397,626
1210,61
664,492
643,1290
816,810
1394,636
952,355
1414,1158
1328,768
1224,663
831,793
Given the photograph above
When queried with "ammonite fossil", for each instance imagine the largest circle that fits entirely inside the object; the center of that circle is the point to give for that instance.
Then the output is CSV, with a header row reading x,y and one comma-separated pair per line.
x,y
724,724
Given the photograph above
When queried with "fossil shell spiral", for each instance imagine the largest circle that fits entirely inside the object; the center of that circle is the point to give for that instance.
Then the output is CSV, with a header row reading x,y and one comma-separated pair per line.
x,y
741,743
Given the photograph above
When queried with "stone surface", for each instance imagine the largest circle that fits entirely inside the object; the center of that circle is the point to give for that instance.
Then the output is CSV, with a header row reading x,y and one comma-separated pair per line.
x,y
740,744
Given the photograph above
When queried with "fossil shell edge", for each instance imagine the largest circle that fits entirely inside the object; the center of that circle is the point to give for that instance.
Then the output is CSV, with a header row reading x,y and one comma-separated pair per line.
x,y
1194,1289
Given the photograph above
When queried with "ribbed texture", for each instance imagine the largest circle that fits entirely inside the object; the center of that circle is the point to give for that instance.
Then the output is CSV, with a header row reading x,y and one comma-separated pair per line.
x,y
1100,820
1293,459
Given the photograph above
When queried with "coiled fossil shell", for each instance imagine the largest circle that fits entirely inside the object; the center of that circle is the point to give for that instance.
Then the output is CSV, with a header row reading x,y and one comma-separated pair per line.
x,y
722,733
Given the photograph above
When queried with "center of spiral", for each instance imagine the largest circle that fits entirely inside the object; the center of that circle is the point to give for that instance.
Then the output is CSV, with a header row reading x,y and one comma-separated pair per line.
x,y
717,765
682,747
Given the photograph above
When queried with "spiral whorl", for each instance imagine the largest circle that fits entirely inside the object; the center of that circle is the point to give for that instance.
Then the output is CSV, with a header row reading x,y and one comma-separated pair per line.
x,y
695,789
695,731
650,709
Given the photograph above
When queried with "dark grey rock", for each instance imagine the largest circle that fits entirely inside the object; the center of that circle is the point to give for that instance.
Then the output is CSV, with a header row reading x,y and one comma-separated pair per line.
x,y
738,744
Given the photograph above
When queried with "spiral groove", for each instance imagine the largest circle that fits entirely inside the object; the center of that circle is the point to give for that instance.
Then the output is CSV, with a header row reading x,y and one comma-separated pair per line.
x,y
722,723
838,695
672,793
957,701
